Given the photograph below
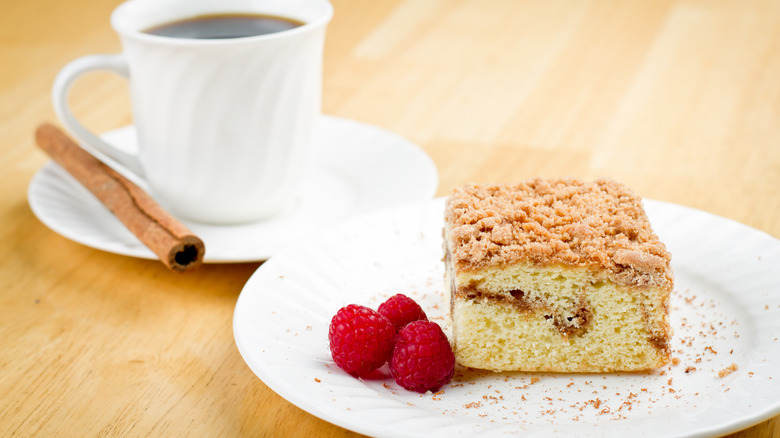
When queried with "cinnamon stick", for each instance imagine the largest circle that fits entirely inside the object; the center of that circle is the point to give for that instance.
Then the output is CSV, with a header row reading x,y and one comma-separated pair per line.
x,y
176,246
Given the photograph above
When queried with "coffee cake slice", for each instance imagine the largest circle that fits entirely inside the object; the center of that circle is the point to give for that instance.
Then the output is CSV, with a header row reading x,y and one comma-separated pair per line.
x,y
556,275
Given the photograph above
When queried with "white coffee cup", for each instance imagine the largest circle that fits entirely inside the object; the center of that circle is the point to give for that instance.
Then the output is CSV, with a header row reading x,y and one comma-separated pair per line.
x,y
224,125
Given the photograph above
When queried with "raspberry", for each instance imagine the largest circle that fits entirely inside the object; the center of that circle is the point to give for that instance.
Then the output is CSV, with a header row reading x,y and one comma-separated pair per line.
x,y
401,310
361,340
422,358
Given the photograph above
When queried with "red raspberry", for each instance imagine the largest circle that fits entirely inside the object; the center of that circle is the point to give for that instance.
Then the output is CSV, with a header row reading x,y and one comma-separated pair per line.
x,y
361,340
422,358
401,310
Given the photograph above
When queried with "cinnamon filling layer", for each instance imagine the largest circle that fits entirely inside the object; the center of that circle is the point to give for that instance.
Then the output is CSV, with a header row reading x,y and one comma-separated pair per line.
x,y
572,324
659,342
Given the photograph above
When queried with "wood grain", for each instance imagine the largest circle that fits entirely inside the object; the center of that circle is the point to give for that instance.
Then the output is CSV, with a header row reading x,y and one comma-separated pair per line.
x,y
680,100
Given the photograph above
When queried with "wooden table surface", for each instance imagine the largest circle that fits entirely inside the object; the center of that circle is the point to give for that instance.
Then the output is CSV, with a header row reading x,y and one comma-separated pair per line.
x,y
680,100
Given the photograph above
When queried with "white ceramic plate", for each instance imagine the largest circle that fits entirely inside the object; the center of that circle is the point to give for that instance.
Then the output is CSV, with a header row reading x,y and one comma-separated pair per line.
x,y
725,310
359,168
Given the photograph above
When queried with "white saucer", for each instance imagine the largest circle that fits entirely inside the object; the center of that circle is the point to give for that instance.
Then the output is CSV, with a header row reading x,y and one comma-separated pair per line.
x,y
359,168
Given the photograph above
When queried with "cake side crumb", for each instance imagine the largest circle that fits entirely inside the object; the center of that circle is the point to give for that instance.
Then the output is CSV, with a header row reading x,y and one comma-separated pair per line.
x,y
728,370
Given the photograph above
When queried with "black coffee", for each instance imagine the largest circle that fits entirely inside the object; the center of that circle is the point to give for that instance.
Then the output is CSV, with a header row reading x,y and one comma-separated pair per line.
x,y
224,26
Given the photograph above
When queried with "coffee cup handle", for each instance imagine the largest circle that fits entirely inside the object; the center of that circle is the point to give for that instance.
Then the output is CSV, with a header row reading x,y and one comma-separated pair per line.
x,y
61,89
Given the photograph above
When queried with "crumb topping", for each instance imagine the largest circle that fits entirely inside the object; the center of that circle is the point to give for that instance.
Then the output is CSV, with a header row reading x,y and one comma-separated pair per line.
x,y
565,221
